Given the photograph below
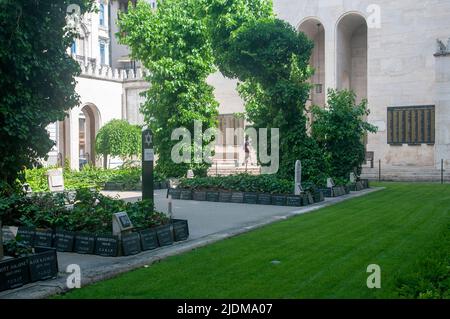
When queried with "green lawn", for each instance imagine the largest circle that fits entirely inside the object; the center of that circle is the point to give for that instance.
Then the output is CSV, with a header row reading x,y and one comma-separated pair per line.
x,y
323,254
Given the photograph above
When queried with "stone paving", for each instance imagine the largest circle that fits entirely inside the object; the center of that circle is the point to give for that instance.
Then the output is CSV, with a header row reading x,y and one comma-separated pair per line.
x,y
208,222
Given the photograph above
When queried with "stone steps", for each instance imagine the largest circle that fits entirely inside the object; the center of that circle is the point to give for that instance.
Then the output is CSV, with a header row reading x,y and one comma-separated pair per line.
x,y
406,174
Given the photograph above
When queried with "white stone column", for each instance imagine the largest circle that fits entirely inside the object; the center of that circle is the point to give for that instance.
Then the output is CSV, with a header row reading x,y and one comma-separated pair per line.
x,y
330,59
442,104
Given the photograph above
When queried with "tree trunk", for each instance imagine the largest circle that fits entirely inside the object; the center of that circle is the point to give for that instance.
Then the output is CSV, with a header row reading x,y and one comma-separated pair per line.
x,y
105,161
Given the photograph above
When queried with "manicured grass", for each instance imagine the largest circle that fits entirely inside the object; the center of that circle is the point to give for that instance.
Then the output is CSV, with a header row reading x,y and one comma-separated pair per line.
x,y
324,254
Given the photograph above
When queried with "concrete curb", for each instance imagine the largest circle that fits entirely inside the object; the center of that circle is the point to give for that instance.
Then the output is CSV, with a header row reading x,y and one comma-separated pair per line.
x,y
121,265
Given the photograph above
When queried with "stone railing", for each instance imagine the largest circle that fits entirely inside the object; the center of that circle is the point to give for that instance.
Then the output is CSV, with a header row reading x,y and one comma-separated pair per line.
x,y
106,72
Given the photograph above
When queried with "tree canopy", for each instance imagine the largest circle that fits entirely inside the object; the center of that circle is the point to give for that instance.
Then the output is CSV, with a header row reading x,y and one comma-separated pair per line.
x,y
118,138
36,78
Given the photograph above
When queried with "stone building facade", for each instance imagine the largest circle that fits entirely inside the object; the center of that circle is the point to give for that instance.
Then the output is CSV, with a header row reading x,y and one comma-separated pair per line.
x,y
386,51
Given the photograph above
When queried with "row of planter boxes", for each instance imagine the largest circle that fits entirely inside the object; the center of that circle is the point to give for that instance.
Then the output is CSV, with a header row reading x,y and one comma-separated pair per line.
x,y
337,191
16,272
113,186
107,245
247,198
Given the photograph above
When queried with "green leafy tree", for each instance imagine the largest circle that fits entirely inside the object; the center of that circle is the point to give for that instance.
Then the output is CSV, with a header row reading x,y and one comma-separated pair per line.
x,y
172,43
118,138
272,59
224,18
340,131
36,78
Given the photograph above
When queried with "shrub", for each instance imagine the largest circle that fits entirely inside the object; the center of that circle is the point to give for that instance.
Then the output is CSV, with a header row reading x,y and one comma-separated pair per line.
x,y
340,132
118,138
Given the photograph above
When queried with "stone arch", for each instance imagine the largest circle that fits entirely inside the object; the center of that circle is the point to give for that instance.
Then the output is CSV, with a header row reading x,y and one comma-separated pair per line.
x,y
315,31
352,53
89,124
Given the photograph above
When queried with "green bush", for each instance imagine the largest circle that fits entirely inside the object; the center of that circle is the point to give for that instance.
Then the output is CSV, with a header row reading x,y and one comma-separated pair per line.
x,y
240,183
118,138
89,177
340,131
92,211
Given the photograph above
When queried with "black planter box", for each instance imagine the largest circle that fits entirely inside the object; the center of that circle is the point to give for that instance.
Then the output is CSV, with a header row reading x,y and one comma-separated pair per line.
x,y
237,197
186,194
131,244
293,201
165,235
279,200
43,264
318,197
250,198
107,246
199,196
264,199
176,193
212,196
26,235
180,229
305,199
14,273
365,183
84,243
225,197
43,238
64,241
327,192
112,186
149,239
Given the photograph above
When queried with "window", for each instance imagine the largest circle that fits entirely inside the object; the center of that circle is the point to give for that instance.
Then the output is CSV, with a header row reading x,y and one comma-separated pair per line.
x,y
411,125
73,48
102,14
102,53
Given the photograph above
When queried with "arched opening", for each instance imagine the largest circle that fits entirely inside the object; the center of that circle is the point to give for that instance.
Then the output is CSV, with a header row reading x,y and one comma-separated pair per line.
x,y
315,31
351,50
88,125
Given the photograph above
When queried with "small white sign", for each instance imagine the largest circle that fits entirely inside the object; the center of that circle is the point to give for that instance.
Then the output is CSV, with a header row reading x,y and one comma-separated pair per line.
x,y
148,154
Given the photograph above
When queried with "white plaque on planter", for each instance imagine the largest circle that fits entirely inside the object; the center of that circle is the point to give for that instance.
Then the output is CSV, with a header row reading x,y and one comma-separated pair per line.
x,y
121,224
149,154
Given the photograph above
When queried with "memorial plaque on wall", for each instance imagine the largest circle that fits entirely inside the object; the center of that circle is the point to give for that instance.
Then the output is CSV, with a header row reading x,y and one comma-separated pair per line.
x,y
14,273
225,197
149,239
250,198
180,229
26,235
186,195
106,246
264,199
279,200
131,244
43,238
84,243
294,201
199,196
165,235
64,241
212,196
237,197
43,265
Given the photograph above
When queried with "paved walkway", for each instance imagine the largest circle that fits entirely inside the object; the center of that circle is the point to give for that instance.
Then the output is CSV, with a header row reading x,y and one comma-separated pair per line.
x,y
208,222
